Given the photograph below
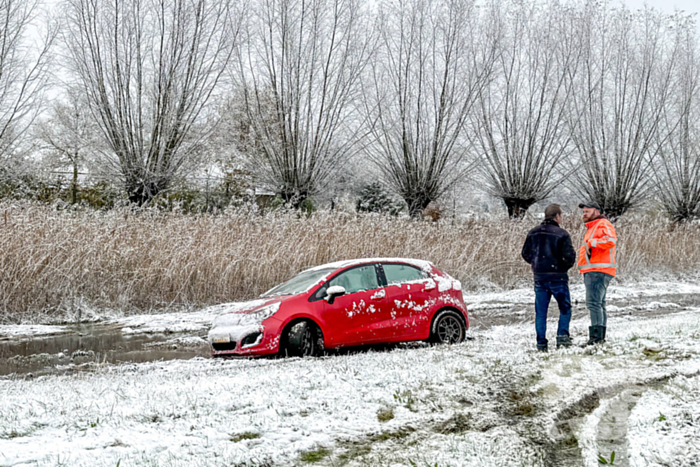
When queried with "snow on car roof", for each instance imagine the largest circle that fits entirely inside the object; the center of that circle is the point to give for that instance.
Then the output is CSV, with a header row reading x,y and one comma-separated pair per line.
x,y
351,262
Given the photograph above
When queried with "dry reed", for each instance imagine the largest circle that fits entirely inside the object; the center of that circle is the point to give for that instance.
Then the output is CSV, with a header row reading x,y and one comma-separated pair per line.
x,y
54,262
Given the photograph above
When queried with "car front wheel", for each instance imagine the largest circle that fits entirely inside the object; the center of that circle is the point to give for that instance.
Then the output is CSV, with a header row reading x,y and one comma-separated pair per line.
x,y
448,328
303,340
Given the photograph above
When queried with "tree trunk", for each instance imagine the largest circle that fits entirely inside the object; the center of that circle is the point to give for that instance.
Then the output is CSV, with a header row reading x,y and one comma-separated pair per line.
x,y
416,206
74,187
294,198
517,208
141,192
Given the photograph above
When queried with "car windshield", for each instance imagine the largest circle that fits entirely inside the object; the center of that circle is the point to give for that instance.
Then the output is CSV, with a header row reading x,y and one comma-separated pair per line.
x,y
300,283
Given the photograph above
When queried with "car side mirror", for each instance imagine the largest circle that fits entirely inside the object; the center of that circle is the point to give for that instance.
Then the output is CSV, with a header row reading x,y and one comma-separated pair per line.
x,y
334,291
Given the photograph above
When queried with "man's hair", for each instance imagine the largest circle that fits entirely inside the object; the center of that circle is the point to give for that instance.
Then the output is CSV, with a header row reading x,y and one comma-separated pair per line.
x,y
552,210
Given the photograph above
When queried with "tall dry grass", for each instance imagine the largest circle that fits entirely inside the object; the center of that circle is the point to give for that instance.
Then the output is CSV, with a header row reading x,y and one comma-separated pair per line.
x,y
53,262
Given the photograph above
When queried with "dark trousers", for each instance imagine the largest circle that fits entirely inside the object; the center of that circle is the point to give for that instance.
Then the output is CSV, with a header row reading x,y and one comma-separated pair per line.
x,y
544,290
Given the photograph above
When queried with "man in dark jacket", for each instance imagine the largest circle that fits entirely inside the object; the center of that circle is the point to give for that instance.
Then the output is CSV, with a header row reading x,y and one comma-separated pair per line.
x,y
548,249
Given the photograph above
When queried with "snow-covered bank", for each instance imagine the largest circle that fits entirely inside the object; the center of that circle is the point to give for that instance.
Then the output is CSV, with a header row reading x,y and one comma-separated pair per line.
x,y
28,330
453,406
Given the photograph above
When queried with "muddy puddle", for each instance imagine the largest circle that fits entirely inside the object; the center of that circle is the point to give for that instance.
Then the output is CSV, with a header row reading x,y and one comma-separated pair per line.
x,y
84,346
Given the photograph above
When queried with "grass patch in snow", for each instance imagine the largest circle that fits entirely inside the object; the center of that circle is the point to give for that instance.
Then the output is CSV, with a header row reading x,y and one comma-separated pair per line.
x,y
389,435
385,414
406,399
458,423
238,437
653,354
522,405
317,455
20,432
571,442
355,449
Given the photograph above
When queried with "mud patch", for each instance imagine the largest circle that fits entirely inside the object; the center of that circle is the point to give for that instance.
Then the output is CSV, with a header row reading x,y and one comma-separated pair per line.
x,y
94,344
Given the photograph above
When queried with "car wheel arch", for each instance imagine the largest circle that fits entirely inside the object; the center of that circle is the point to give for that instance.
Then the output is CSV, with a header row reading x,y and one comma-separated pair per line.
x,y
294,321
437,313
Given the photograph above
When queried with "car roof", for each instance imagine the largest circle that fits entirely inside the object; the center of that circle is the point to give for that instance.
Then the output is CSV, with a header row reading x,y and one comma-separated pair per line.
x,y
353,262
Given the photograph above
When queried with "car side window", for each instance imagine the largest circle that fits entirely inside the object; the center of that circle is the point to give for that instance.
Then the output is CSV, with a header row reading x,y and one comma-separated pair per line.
x,y
402,273
357,279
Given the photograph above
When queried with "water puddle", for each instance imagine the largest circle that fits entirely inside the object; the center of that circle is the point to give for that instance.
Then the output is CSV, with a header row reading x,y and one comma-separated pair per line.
x,y
95,343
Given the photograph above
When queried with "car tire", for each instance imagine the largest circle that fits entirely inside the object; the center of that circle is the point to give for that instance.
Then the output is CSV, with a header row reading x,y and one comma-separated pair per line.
x,y
303,339
448,328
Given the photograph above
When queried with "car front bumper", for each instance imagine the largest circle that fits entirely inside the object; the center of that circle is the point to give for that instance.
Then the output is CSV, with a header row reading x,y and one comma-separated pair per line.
x,y
248,340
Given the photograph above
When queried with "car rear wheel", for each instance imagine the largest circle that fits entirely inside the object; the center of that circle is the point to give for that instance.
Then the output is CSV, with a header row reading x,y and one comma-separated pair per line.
x,y
303,340
448,328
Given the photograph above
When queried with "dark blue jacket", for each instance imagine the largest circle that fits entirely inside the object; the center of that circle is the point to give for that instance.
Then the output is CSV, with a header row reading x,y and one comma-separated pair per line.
x,y
548,249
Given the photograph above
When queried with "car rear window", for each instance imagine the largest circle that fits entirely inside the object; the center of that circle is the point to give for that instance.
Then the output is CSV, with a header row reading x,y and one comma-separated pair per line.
x,y
402,273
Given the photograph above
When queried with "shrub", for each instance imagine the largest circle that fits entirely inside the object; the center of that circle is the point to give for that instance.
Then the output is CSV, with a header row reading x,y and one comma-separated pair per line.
x,y
373,198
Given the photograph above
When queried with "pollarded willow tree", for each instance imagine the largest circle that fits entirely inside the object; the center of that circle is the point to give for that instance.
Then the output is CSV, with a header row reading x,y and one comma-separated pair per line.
x,y
678,139
520,117
298,70
24,69
433,59
149,69
625,80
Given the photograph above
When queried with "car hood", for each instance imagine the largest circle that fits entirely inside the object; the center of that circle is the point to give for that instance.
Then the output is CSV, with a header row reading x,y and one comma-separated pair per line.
x,y
244,313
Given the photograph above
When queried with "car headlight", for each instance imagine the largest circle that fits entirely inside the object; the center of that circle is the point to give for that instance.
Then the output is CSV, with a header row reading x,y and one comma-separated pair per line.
x,y
245,318
263,313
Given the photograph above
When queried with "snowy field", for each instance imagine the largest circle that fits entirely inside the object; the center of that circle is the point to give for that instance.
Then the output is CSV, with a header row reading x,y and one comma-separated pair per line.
x,y
490,401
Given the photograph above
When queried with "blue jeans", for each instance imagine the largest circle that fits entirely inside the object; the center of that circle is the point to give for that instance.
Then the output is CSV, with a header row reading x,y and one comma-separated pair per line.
x,y
544,290
596,289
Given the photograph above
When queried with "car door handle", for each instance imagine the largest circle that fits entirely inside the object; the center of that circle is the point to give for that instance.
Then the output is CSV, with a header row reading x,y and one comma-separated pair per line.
x,y
379,295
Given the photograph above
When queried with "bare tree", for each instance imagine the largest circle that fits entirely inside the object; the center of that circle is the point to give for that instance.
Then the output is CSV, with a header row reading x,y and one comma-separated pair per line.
x,y
298,72
625,81
149,69
520,121
678,141
23,69
69,135
434,58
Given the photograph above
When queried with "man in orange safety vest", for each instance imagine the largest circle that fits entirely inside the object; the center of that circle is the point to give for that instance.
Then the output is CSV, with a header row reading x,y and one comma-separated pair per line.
x,y
597,263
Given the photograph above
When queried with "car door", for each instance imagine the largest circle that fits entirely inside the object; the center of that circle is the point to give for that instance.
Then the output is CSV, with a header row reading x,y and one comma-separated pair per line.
x,y
356,317
410,296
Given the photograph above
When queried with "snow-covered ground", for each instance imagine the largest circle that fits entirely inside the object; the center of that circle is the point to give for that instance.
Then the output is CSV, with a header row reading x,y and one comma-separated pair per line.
x,y
490,401
27,330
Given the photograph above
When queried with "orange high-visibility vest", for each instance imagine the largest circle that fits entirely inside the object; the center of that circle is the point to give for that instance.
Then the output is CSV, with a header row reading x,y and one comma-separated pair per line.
x,y
601,239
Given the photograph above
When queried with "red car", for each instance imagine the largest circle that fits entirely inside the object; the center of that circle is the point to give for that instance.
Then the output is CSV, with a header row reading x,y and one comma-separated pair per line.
x,y
348,303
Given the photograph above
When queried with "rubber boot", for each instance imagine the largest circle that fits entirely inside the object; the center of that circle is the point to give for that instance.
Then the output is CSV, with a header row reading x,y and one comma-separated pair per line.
x,y
601,334
592,335
563,341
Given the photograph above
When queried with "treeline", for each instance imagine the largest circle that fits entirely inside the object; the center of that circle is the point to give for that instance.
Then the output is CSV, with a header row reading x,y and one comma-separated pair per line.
x,y
150,101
